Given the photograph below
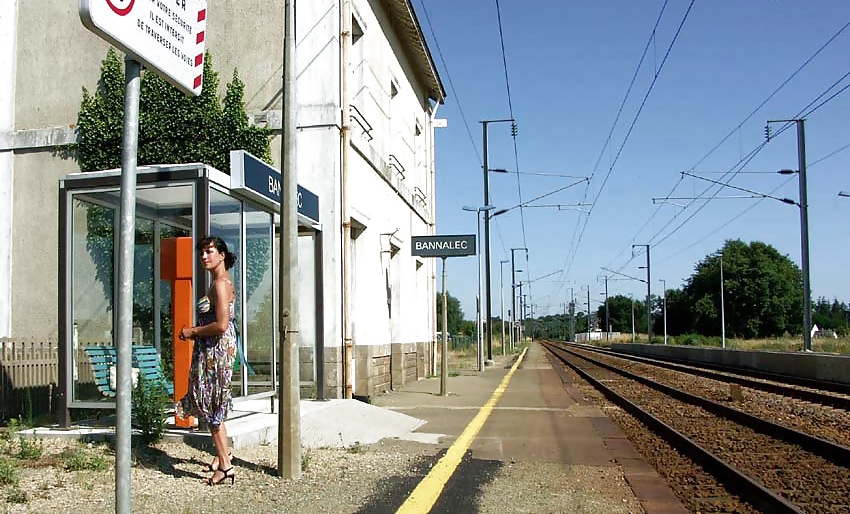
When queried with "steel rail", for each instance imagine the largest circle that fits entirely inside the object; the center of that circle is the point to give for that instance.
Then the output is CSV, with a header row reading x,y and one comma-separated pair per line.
x,y
696,368
736,481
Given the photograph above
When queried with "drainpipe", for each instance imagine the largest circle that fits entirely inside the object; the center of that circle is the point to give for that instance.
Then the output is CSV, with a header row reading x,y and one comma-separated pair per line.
x,y
432,222
8,62
345,148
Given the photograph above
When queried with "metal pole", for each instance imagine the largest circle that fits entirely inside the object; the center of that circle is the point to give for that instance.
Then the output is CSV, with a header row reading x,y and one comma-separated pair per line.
x,y
633,318
502,299
722,306
648,295
289,413
486,297
444,345
664,306
124,285
804,237
607,317
648,298
566,324
478,313
513,300
572,314
588,315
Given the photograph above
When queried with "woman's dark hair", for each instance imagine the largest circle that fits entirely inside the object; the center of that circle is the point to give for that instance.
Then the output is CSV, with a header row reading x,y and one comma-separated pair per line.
x,y
219,244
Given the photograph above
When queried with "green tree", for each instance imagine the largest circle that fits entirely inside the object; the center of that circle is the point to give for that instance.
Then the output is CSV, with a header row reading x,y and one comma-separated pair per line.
x,y
453,312
763,292
830,315
620,308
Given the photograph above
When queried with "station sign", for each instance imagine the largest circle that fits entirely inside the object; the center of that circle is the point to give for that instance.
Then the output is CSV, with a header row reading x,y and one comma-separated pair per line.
x,y
254,177
164,35
442,246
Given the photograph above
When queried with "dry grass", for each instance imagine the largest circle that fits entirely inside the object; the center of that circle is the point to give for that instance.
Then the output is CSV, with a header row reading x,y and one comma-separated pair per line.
x,y
839,346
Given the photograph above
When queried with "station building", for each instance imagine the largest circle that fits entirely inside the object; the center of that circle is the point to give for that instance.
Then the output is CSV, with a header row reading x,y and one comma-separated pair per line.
x,y
368,93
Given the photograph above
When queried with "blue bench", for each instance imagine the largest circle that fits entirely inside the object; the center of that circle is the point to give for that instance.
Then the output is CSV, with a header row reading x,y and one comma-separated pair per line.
x,y
145,359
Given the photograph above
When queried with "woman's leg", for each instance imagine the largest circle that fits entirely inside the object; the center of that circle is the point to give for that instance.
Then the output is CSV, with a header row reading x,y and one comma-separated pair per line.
x,y
219,437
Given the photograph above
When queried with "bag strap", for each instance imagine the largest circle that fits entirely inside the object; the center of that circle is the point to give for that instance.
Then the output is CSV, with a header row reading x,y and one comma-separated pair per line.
x,y
241,348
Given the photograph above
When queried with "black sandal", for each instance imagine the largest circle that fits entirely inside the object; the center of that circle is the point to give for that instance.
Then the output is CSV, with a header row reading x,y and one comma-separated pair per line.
x,y
228,473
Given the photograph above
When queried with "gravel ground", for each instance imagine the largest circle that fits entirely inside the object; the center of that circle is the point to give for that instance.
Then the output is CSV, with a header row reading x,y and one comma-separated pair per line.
x,y
167,478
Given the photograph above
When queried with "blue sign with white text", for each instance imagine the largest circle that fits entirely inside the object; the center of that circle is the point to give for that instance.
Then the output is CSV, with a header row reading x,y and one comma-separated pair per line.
x,y
251,173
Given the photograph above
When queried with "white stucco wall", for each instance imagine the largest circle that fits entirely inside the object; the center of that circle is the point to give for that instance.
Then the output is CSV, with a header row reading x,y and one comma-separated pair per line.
x,y
44,72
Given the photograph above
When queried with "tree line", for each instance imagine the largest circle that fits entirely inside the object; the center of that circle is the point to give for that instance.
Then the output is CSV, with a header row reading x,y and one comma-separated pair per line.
x,y
762,298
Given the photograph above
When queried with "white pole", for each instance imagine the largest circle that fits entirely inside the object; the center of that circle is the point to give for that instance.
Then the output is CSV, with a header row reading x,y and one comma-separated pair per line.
x,y
478,318
722,306
664,306
502,295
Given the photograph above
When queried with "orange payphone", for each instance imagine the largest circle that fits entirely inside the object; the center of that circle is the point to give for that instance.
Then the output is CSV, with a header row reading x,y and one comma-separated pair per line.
x,y
176,263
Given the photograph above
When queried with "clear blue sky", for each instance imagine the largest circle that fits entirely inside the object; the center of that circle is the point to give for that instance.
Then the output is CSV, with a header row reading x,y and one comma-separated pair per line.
x,y
569,66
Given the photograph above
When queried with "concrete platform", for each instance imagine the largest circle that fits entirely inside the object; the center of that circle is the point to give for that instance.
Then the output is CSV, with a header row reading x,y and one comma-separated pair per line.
x,y
542,422
324,424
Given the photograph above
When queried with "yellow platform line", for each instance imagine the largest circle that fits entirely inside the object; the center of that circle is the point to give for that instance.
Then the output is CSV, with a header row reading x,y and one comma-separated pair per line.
x,y
423,498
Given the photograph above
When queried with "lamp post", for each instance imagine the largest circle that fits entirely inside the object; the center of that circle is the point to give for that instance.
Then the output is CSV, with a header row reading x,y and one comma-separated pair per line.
x,y
664,305
486,298
478,211
514,334
502,298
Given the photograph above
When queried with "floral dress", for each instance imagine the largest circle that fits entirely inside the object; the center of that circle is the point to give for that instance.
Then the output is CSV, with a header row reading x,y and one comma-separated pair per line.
x,y
209,397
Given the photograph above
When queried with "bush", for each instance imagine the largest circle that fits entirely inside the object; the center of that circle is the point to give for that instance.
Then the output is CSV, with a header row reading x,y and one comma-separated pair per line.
x,y
29,449
150,404
78,459
7,472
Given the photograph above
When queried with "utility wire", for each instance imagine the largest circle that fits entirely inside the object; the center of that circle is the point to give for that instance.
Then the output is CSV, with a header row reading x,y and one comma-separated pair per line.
x,y
575,247
752,206
513,132
740,125
449,79
804,112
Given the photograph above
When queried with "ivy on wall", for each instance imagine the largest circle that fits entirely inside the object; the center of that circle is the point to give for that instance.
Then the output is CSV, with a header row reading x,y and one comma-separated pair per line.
x,y
174,128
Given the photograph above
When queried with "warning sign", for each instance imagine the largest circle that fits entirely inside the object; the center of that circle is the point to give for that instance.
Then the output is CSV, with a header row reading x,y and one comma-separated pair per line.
x,y
164,35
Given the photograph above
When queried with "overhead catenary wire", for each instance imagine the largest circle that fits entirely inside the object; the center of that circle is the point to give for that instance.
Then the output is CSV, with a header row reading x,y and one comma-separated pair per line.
x,y
802,113
449,80
737,128
511,112
576,243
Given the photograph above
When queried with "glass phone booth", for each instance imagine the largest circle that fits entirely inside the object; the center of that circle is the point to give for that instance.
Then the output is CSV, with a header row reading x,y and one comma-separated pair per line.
x,y
174,201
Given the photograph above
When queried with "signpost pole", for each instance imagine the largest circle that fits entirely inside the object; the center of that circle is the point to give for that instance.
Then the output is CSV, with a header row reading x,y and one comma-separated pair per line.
x,y
124,285
444,360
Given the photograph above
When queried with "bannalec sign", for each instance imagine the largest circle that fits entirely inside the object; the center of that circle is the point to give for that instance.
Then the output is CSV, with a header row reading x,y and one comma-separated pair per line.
x,y
250,175
442,246
165,35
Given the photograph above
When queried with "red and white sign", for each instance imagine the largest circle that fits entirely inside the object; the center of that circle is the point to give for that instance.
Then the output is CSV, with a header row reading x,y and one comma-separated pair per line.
x,y
164,35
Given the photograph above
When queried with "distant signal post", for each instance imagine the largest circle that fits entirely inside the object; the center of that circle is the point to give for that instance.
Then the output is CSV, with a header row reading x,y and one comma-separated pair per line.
x,y
443,247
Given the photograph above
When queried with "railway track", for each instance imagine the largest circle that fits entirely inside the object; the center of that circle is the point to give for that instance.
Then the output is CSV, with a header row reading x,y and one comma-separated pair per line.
x,y
762,465
827,393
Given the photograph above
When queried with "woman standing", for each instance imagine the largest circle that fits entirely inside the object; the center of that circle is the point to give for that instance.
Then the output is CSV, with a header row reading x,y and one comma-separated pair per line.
x,y
209,397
